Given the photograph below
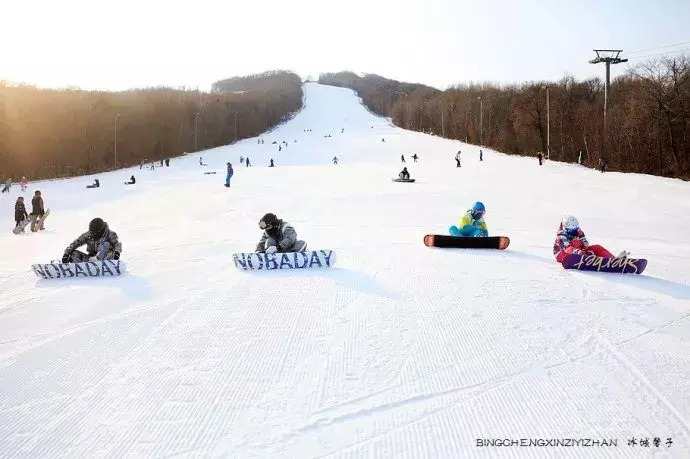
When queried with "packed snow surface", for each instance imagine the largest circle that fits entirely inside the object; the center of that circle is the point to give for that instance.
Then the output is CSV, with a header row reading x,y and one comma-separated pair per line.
x,y
400,351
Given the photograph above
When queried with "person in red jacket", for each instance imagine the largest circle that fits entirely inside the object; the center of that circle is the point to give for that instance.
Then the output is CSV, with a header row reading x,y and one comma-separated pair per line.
x,y
570,239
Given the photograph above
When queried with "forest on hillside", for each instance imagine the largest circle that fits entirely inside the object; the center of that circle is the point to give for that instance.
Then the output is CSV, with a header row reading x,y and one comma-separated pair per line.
x,y
47,133
647,123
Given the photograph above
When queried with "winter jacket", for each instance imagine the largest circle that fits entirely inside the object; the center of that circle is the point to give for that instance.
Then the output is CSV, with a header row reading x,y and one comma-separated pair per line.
x,y
285,237
93,243
37,206
565,240
20,211
230,171
468,220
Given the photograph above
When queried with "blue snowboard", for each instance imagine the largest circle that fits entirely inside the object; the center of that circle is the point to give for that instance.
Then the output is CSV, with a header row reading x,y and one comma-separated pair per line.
x,y
604,265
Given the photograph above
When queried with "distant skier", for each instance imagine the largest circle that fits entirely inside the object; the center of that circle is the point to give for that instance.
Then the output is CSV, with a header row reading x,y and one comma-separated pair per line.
x,y
246,160
570,239
8,185
472,223
335,160
541,158
278,236
132,181
280,147
167,162
481,155
101,244
20,214
162,163
271,165
24,183
404,174
229,175
241,159
457,159
382,139
415,157
402,158
37,210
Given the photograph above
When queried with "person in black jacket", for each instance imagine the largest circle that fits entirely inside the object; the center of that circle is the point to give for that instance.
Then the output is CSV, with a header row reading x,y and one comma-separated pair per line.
x,y
37,210
101,243
20,211
132,181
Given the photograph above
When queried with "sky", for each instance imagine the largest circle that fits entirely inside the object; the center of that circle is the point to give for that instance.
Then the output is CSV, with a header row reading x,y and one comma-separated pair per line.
x,y
126,44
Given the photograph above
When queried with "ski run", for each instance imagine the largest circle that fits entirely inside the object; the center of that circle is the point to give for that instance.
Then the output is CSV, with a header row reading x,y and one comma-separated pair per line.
x,y
398,350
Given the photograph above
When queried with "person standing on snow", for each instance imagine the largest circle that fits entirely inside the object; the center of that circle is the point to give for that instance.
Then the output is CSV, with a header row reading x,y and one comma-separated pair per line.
x,y
335,160
20,211
37,210
229,176
472,223
415,157
402,158
278,236
570,239
481,156
457,159
101,243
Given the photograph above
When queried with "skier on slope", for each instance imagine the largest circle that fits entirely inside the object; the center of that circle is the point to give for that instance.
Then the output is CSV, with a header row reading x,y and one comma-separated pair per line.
x,y
472,223
37,210
278,236
20,211
229,175
570,239
101,243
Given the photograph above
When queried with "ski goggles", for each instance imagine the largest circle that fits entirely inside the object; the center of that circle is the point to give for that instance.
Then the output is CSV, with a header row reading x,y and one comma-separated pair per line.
x,y
478,213
265,226
572,231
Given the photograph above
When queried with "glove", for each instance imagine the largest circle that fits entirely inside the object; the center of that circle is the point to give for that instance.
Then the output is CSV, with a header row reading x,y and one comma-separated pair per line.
x,y
65,258
116,256
272,249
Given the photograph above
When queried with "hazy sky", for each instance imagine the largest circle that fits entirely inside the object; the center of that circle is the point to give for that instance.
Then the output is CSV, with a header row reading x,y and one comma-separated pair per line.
x,y
127,43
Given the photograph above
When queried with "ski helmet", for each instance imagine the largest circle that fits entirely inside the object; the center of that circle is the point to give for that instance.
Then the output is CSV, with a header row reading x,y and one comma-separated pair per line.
x,y
97,227
478,209
570,224
268,222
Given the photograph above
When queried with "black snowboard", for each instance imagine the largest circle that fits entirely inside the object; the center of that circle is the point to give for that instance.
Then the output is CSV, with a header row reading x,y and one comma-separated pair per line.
x,y
459,242
403,180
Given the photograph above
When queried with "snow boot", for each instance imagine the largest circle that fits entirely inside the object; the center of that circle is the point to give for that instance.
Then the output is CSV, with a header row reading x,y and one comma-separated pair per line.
x,y
623,254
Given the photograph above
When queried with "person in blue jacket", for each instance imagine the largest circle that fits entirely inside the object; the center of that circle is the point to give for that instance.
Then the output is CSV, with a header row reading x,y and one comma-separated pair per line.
x,y
472,223
229,176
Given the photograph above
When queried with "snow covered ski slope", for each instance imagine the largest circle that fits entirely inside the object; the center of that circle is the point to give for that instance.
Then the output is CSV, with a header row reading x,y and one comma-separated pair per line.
x,y
398,351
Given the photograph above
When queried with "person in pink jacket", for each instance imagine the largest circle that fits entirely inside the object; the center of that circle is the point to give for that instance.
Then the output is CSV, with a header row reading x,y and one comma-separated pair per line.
x,y
570,239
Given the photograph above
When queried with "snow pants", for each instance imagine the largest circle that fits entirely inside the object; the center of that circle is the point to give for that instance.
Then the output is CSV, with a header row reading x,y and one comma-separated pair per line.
x,y
467,231
298,246
596,249
227,179
104,252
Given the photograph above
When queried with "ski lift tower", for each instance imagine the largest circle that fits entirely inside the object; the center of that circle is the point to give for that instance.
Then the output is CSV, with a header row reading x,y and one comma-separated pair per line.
x,y
607,56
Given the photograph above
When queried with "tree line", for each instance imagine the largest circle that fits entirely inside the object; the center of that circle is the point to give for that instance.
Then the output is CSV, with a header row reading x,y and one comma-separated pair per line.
x,y
647,128
47,133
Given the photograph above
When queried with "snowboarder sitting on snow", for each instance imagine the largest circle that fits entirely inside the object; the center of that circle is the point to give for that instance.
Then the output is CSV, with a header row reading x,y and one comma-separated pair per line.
x,y
101,243
279,236
570,239
472,223
95,184
404,175
132,181
20,211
